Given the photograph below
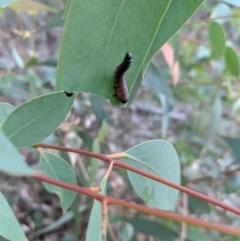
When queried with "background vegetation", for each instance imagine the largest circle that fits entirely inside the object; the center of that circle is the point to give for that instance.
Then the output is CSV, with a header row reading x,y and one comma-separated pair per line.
x,y
189,97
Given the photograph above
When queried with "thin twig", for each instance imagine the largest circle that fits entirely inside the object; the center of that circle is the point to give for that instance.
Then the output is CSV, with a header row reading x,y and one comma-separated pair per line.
x,y
141,208
143,173
185,213
209,19
192,39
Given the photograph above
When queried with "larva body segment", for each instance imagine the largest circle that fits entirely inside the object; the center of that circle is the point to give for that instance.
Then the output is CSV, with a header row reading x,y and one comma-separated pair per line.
x,y
120,81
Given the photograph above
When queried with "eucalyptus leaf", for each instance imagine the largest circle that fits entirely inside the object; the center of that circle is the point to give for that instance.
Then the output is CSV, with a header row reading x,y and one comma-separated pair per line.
x,y
56,168
153,228
97,104
5,110
55,21
232,62
194,234
94,163
234,144
94,230
9,226
103,131
216,116
198,206
11,161
160,158
155,82
221,10
36,119
216,39
96,39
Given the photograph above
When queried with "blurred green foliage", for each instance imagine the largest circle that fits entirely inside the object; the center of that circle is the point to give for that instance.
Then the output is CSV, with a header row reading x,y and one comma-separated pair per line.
x,y
190,96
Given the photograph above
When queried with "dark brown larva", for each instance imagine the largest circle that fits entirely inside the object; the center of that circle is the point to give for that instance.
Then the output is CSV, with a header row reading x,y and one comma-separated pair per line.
x,y
120,81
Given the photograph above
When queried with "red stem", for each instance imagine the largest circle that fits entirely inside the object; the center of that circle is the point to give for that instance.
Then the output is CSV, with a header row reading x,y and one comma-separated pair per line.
x,y
141,208
144,173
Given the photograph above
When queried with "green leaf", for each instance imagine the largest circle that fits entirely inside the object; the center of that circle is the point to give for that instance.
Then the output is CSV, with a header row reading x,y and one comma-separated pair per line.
x,y
171,22
35,62
86,138
36,119
103,131
94,162
220,12
55,21
17,58
216,116
234,144
56,168
165,116
68,237
96,39
194,234
94,230
77,228
97,104
198,206
232,62
135,88
127,232
216,39
31,62
1,13
9,225
5,110
11,161
154,81
160,158
61,221
154,229
202,53
6,84
232,184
